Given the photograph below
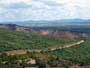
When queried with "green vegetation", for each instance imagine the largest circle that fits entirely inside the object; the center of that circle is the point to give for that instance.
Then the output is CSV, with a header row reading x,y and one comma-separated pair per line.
x,y
15,40
15,61
19,61
74,55
77,55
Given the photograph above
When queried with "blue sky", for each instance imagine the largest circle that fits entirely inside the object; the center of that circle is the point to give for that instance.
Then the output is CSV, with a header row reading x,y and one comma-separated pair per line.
x,y
15,10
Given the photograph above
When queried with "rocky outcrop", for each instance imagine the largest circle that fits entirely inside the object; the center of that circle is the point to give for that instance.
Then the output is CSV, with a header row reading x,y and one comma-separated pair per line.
x,y
56,33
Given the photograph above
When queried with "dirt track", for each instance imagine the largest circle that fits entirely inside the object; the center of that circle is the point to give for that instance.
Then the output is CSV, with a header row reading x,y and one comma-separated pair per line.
x,y
50,49
60,47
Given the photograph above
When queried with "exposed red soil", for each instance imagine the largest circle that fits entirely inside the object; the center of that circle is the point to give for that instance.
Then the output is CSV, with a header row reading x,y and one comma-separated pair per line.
x,y
76,66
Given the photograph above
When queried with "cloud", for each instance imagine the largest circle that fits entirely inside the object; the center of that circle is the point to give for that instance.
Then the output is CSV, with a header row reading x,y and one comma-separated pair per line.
x,y
12,10
15,1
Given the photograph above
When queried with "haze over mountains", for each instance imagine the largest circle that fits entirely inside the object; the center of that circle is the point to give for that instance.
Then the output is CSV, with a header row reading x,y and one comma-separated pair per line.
x,y
51,22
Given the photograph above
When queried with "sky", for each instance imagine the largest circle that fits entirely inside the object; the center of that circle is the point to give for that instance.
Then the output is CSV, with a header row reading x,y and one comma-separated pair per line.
x,y
19,10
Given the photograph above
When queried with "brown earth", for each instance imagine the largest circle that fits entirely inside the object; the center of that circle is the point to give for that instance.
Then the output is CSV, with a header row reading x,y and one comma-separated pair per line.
x,y
76,66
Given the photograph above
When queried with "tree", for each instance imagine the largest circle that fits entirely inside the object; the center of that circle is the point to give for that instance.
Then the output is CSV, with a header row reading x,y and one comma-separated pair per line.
x,y
52,62
40,63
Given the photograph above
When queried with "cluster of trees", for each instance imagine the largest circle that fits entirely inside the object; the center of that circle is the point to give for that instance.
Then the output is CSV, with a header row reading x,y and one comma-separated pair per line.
x,y
15,61
77,55
18,61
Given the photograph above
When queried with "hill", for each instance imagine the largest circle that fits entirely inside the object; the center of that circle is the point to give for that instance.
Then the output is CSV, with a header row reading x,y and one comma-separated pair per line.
x,y
77,55
73,51
15,40
64,31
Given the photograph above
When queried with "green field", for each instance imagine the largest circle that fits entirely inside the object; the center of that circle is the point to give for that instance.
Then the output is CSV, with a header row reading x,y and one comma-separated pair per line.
x,y
15,40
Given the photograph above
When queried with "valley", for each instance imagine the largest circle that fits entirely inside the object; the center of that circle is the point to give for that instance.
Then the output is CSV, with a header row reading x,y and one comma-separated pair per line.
x,y
63,47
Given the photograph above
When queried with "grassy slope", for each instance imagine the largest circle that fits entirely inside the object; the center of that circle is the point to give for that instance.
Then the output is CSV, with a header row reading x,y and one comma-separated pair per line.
x,y
10,40
77,54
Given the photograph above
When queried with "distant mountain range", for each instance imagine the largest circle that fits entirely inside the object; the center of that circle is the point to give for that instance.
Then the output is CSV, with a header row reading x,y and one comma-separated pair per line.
x,y
57,22
51,22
